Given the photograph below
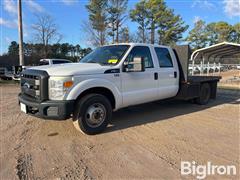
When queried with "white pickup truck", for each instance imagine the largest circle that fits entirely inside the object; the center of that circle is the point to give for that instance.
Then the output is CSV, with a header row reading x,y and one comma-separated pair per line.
x,y
109,78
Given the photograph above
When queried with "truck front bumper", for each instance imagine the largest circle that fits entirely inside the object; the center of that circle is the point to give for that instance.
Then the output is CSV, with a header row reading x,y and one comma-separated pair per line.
x,y
59,110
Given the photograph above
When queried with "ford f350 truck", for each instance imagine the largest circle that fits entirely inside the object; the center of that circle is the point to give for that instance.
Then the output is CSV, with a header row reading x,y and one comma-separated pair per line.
x,y
109,78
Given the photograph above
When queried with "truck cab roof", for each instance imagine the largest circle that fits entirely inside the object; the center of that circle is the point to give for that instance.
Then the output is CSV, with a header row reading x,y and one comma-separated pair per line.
x,y
138,44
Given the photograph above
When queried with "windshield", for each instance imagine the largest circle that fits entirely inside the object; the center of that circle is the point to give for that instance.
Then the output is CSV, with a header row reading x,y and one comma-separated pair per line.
x,y
106,55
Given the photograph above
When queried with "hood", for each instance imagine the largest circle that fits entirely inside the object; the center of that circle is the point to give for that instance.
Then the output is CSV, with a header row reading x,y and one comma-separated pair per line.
x,y
70,69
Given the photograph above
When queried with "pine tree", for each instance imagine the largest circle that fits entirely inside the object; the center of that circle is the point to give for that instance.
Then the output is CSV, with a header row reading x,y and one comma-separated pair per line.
x,y
219,32
13,49
116,13
98,18
139,15
170,27
198,36
155,11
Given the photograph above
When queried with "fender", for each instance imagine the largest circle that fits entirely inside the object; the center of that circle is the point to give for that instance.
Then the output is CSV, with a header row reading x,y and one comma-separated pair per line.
x,y
93,83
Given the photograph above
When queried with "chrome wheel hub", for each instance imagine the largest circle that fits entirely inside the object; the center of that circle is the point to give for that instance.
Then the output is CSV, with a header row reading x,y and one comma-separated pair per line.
x,y
95,115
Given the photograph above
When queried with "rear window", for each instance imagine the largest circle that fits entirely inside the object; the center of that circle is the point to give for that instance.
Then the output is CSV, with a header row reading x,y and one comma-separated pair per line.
x,y
42,63
164,57
60,62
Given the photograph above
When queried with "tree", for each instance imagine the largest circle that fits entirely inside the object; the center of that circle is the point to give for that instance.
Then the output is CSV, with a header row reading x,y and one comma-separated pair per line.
x,y
78,49
170,27
139,15
64,49
235,35
155,11
124,35
116,11
13,49
155,15
198,36
84,52
98,19
219,32
46,31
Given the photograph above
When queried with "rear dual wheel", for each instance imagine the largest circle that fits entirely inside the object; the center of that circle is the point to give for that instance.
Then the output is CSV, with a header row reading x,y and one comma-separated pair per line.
x,y
92,114
205,94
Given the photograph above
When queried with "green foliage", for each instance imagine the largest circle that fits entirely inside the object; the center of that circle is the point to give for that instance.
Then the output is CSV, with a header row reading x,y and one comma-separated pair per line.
x,y
170,28
34,52
116,15
219,31
124,35
13,49
139,15
203,35
235,35
156,10
154,15
98,18
198,36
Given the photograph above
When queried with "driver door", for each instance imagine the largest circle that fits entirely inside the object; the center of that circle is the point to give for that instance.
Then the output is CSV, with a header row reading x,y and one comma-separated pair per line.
x,y
139,87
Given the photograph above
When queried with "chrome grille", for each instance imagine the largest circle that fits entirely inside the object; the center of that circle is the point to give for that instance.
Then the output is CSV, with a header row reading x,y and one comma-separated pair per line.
x,y
30,85
34,84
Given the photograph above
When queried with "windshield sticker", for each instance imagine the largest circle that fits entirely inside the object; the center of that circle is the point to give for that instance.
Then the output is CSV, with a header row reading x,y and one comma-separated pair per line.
x,y
112,61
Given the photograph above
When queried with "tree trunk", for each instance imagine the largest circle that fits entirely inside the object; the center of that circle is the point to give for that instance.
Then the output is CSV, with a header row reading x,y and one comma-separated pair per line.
x,y
113,35
152,32
113,38
143,35
117,31
101,38
160,40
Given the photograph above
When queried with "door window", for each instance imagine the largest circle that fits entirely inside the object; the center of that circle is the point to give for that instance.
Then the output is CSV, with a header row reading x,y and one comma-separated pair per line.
x,y
141,51
164,57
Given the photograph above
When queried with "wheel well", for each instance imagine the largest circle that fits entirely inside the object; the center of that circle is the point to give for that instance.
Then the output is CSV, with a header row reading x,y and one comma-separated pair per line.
x,y
100,90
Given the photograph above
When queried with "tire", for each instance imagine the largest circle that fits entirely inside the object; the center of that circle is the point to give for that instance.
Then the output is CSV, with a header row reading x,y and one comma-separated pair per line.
x,y
205,93
92,114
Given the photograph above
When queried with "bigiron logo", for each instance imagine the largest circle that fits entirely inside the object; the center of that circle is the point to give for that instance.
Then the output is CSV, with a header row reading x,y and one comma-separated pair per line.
x,y
202,171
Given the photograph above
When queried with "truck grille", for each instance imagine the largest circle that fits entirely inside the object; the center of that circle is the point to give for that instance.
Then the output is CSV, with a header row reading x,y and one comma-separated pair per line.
x,y
34,84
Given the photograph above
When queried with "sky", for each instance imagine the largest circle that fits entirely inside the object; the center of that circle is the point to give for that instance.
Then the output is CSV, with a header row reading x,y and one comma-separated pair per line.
x,y
69,16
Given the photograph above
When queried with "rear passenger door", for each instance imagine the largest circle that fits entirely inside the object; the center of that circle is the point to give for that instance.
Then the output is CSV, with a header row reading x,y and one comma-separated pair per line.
x,y
168,73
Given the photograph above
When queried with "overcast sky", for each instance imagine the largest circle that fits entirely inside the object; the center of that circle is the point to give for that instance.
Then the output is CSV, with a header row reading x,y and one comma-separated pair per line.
x,y
70,14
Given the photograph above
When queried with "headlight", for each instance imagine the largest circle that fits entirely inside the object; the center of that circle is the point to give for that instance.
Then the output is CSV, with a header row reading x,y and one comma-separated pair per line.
x,y
58,86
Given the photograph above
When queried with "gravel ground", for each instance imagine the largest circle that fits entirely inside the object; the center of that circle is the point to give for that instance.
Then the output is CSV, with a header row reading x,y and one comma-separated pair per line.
x,y
143,142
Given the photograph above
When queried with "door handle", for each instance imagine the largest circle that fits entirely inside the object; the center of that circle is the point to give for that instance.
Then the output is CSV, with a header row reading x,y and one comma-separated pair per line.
x,y
155,76
175,74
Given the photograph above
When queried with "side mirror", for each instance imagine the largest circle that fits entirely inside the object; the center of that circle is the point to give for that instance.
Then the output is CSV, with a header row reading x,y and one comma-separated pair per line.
x,y
136,66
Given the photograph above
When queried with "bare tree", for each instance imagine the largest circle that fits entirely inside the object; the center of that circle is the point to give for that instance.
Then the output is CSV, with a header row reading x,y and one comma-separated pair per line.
x,y
46,31
93,37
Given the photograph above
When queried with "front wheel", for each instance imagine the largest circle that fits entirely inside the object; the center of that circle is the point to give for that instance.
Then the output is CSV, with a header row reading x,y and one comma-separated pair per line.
x,y
92,114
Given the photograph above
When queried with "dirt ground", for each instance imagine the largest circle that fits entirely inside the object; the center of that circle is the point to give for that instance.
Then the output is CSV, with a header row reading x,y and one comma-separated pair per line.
x,y
143,142
230,78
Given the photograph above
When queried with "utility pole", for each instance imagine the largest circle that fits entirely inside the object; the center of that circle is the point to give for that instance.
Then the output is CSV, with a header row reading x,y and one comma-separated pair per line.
x,y
20,33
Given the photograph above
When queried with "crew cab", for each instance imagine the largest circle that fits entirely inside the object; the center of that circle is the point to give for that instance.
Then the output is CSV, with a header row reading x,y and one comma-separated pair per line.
x,y
110,78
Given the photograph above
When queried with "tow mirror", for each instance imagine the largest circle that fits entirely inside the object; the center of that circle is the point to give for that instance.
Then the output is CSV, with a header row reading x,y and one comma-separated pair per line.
x,y
137,65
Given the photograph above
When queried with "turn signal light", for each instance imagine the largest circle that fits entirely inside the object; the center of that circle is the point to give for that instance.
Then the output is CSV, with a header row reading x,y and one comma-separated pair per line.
x,y
68,84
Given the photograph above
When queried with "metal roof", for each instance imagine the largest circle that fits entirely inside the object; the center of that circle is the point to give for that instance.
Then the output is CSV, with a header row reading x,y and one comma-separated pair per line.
x,y
217,51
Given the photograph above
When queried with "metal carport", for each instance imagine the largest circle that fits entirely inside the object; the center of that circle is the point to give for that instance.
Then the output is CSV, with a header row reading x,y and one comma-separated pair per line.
x,y
216,53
